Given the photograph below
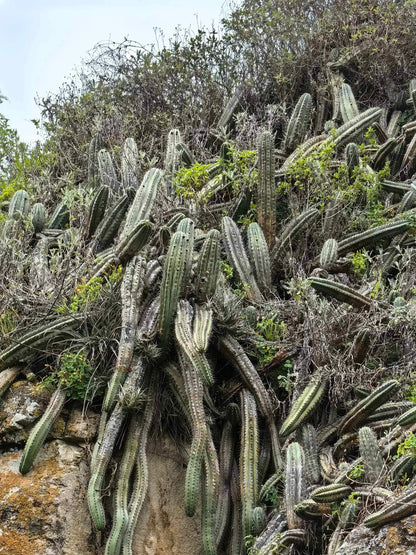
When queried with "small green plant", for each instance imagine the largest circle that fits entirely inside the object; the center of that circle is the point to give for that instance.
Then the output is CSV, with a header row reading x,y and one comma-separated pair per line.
x,y
226,269
360,262
73,375
88,292
8,322
408,445
189,180
357,471
411,395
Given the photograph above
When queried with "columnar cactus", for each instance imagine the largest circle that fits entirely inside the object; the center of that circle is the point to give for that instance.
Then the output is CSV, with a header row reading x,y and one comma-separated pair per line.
x,y
259,257
97,209
230,108
95,146
266,188
304,406
39,433
369,451
107,172
352,155
208,266
129,160
38,217
142,205
172,159
329,254
248,459
298,123
294,484
348,105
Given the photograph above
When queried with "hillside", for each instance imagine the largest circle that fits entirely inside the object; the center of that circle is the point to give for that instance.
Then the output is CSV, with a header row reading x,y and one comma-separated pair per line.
x,y
208,316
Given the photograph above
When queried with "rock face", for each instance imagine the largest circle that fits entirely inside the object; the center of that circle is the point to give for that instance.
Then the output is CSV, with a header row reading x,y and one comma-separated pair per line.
x,y
398,538
45,512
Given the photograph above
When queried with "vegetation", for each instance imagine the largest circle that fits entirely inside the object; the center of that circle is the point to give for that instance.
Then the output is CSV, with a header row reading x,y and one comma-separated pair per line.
x,y
255,298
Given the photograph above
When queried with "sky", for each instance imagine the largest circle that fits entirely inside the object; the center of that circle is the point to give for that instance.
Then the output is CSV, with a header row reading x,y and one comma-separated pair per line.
x,y
43,41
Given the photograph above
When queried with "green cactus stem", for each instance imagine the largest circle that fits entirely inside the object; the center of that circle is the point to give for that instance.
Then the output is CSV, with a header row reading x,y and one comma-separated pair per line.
x,y
109,226
143,202
208,266
259,257
202,327
329,254
226,457
231,108
331,493
340,292
60,217
294,484
40,431
129,160
172,160
266,188
248,460
399,507
38,217
298,123
304,406
372,236
370,453
107,173
95,146
310,449
97,209
19,205
348,105
234,247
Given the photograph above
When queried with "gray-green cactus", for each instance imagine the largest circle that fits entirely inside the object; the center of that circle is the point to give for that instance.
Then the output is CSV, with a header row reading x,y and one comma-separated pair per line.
x,y
266,188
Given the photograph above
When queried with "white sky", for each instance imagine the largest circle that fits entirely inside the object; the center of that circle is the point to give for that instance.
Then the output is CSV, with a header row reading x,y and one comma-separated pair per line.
x,y
42,41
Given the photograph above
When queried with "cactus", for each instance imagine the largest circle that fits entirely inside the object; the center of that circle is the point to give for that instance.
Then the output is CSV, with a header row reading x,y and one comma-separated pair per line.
x,y
141,482
107,172
346,521
259,257
361,345
304,406
269,485
289,233
7,377
38,217
259,520
108,228
352,155
310,449
331,493
372,236
202,327
329,254
248,460
352,129
131,292
340,292
399,507
129,159
408,418
97,209
189,348
370,453
383,153
40,431
226,457
187,226
234,352
409,158
133,243
298,123
330,218
172,280
186,155
37,339
234,247
393,126
396,158
208,266
348,105
294,484
369,404
60,217
230,108
19,205
121,515
172,159
395,187
95,146
266,188
144,199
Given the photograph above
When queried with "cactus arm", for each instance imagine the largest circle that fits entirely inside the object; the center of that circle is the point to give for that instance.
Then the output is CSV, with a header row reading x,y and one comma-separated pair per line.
x,y
40,431
142,205
237,255
248,460
298,123
108,228
141,483
398,508
208,266
38,217
129,159
260,257
340,292
233,351
304,406
329,254
96,144
370,453
106,170
121,515
97,209
230,108
202,327
294,484
7,377
172,159
310,449
348,105
266,189
372,236
226,457
19,205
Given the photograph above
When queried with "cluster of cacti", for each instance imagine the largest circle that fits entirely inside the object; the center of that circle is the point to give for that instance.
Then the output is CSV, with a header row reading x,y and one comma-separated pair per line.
x,y
190,332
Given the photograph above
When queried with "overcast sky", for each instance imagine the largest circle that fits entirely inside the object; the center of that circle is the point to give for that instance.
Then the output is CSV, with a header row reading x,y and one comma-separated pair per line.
x,y
42,41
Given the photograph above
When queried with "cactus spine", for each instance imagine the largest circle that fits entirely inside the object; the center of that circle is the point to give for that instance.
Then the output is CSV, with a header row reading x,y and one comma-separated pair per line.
x,y
259,257
348,105
266,188
129,164
237,255
40,431
208,266
303,407
298,123
38,217
294,484
248,459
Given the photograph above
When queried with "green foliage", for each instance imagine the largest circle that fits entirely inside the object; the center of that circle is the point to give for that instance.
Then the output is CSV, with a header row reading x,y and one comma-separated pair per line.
x,y
357,471
189,180
408,445
360,262
8,322
73,375
270,333
88,292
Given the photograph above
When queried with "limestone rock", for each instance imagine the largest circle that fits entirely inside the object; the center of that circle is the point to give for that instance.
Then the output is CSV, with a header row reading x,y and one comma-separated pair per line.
x,y
45,512
398,538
